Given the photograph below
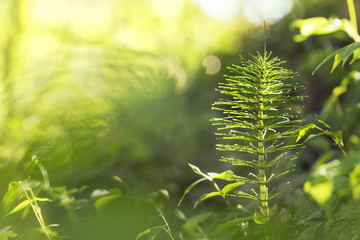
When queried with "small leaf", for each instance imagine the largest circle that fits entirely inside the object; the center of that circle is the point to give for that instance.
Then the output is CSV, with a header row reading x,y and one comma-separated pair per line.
x,y
258,218
6,233
320,192
195,168
227,175
356,55
189,188
191,225
206,196
337,60
339,137
98,193
150,233
198,171
304,129
42,199
19,207
228,188
50,231
343,54
101,202
231,224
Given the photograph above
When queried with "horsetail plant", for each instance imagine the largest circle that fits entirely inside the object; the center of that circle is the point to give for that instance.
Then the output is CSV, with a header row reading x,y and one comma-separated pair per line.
x,y
259,118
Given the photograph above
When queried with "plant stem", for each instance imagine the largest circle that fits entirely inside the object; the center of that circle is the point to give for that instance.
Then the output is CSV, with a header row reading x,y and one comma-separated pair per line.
x,y
352,13
261,159
168,230
36,209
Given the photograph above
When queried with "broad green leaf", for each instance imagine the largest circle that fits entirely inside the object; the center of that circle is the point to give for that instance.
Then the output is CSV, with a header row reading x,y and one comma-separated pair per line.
x,y
355,182
320,26
206,196
343,54
316,26
6,233
150,233
189,188
320,192
339,136
304,129
228,188
19,207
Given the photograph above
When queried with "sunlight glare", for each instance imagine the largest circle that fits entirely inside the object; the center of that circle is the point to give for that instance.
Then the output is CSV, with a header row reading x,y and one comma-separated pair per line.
x,y
223,10
257,11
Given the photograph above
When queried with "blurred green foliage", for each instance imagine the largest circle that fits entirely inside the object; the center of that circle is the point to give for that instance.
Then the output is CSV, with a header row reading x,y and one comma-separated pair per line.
x,y
95,89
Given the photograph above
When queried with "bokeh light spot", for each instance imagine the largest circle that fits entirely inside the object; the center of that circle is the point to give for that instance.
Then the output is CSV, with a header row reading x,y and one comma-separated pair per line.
x,y
212,64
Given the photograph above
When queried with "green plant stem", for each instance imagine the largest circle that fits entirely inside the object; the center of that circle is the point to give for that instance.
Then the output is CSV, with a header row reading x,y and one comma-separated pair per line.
x,y
261,159
352,13
222,194
168,229
36,209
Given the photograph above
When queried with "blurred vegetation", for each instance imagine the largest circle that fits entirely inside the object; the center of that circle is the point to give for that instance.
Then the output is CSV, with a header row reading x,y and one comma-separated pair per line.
x,y
96,89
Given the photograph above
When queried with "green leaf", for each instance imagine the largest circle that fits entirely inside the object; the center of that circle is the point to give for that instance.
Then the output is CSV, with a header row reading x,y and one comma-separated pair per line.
x,y
356,56
320,192
49,231
206,196
227,175
228,188
150,233
304,129
339,137
316,26
198,171
189,188
341,55
6,233
355,182
14,193
19,207
103,201
259,219
231,224
320,26
191,225
42,199
337,60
